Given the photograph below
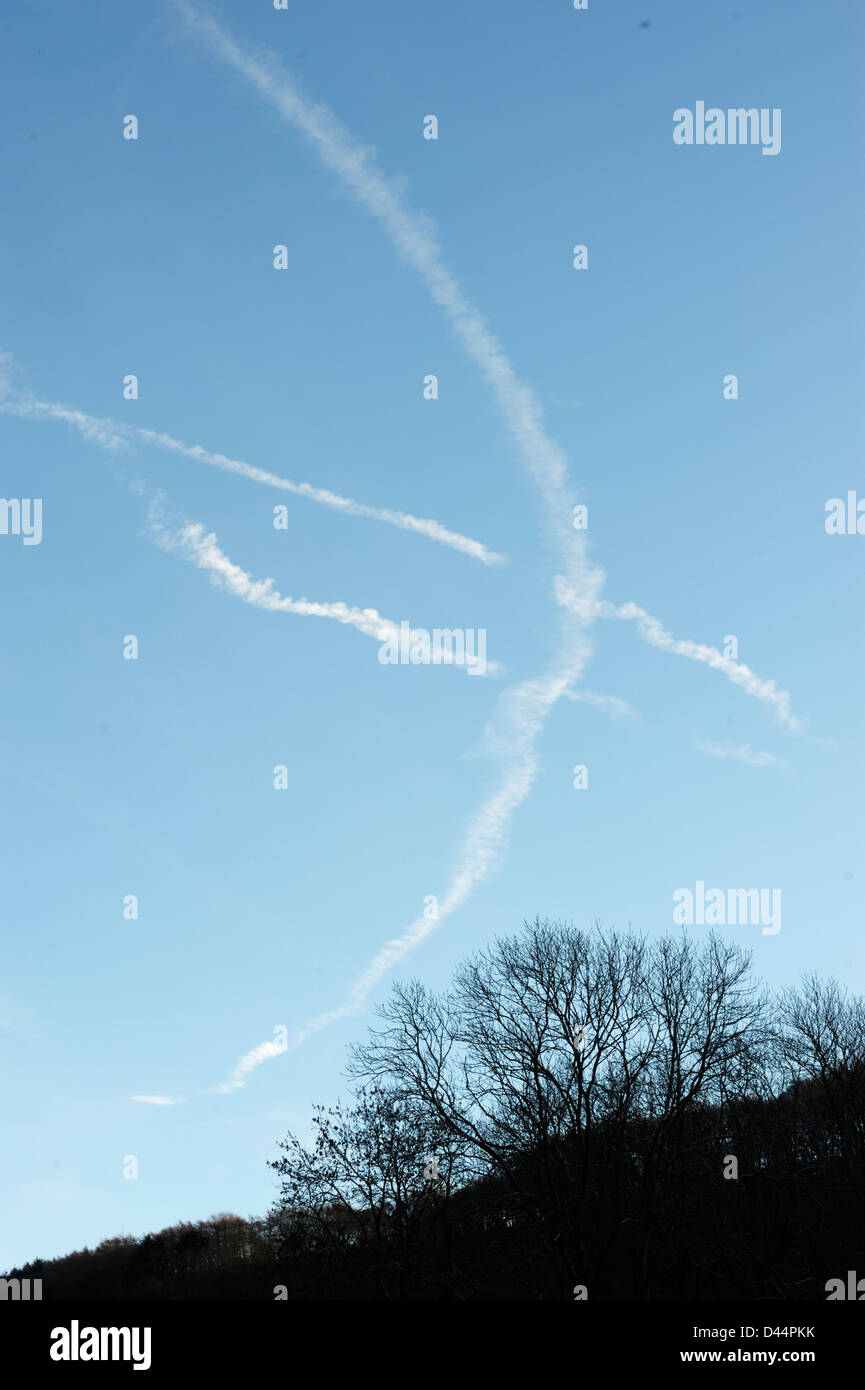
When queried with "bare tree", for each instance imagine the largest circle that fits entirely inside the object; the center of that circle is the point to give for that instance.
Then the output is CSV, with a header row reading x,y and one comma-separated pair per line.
x,y
821,1049
373,1187
563,1062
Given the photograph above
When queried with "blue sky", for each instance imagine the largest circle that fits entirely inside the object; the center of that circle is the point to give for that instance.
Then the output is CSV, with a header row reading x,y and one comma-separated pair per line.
x,y
259,908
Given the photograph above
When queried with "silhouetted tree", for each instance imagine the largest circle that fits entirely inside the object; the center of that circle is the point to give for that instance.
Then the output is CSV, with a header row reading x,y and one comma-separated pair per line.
x,y
577,1108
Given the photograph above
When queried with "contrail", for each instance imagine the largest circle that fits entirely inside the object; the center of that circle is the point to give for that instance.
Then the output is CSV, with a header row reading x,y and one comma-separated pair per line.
x,y
516,723
415,238
422,525
736,671
522,710
518,720
512,734
195,543
114,436
481,854
247,1063
27,407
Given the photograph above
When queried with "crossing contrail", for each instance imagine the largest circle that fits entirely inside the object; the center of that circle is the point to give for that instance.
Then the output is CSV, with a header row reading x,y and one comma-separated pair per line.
x,y
521,710
414,236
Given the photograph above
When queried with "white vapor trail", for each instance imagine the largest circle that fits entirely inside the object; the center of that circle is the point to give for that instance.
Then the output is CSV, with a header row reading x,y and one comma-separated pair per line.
x,y
515,725
657,636
517,721
424,526
28,407
195,543
114,436
155,1100
521,710
415,238
247,1063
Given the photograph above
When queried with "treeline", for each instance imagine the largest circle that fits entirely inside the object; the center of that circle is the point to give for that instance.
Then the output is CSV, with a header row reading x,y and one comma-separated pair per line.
x,y
581,1114
225,1257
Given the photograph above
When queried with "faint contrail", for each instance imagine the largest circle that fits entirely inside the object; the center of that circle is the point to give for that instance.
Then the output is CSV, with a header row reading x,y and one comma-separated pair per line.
x,y
195,543
113,436
614,706
742,753
28,407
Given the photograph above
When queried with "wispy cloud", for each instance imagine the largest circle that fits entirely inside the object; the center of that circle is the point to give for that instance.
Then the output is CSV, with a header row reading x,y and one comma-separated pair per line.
x,y
611,704
114,436
198,545
741,753
155,1100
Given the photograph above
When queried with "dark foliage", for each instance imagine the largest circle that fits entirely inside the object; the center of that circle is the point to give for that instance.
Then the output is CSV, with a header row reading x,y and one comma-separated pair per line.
x,y
568,1114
